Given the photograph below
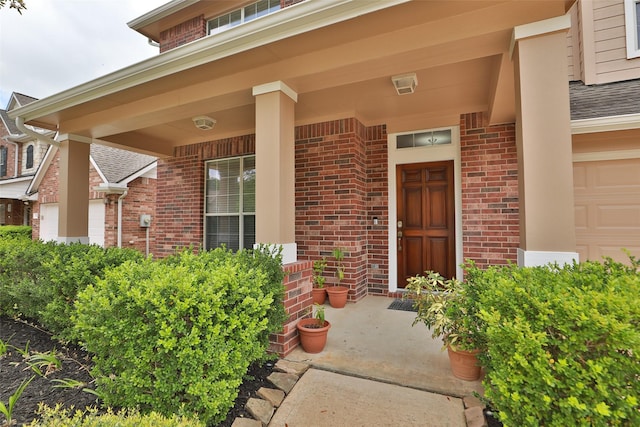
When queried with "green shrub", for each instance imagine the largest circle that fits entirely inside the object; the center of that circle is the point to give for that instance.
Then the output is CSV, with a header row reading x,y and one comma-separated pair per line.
x,y
23,231
562,344
180,334
40,280
70,268
59,417
21,270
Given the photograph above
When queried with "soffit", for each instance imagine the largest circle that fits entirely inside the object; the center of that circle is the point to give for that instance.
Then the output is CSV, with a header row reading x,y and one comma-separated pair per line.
x,y
455,48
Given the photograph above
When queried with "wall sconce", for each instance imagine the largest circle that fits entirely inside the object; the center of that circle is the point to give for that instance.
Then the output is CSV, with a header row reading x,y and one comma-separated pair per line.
x,y
204,122
405,83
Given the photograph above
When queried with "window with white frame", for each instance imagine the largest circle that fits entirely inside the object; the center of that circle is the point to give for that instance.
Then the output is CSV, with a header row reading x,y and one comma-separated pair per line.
x,y
242,15
632,24
230,203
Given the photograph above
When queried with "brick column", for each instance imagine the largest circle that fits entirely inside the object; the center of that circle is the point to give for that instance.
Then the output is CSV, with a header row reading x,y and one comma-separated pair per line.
x,y
543,137
73,191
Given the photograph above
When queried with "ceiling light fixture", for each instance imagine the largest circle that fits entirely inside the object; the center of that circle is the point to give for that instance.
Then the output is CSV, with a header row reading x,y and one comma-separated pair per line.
x,y
204,122
405,83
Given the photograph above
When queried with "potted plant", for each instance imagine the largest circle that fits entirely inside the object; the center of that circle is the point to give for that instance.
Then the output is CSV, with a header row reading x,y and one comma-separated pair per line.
x,y
318,291
338,294
313,331
443,307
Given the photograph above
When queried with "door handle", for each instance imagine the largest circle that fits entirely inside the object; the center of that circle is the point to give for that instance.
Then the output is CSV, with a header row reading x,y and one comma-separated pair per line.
x,y
399,234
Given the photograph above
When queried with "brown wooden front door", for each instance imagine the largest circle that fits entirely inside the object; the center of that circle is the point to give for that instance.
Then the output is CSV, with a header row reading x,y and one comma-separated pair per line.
x,y
425,228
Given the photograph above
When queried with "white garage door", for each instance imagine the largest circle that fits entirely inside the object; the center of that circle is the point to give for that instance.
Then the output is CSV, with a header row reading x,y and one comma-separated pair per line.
x,y
607,207
49,222
96,222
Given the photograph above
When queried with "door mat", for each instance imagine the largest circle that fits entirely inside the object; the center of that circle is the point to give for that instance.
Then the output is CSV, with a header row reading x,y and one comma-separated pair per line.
x,y
402,305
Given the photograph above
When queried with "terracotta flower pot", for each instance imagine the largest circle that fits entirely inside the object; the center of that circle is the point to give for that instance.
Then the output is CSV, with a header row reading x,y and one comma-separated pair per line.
x,y
319,295
312,338
337,296
464,364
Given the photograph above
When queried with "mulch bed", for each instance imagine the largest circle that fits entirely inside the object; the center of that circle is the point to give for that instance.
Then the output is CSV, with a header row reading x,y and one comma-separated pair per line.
x,y
76,365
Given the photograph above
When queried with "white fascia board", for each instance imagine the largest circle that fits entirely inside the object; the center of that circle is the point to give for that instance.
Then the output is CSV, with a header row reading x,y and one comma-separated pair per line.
x,y
605,124
149,170
102,176
289,22
159,13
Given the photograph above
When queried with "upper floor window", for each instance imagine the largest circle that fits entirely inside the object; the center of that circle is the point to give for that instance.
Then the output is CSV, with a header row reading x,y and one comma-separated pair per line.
x,y
632,23
29,163
3,161
244,14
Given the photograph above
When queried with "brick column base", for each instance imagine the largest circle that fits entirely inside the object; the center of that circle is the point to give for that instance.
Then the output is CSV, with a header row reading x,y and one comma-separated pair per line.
x,y
297,303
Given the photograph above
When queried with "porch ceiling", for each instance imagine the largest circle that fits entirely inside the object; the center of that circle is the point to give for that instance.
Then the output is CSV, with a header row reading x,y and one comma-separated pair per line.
x,y
459,51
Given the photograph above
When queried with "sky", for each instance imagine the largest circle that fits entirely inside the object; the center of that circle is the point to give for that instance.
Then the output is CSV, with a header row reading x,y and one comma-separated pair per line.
x,y
58,44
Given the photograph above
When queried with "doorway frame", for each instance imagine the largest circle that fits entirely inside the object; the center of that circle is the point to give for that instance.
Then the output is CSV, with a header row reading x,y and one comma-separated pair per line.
x,y
426,154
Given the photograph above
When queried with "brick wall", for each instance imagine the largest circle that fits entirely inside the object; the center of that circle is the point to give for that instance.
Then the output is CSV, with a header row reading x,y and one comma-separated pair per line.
x,y
331,198
377,208
180,195
183,33
11,160
298,304
490,222
140,199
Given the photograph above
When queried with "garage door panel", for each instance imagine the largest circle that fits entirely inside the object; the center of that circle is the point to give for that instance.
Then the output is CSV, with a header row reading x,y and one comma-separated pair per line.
x,y
607,208
618,217
618,175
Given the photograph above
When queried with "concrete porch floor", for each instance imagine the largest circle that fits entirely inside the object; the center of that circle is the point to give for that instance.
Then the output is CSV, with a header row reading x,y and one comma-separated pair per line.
x,y
368,340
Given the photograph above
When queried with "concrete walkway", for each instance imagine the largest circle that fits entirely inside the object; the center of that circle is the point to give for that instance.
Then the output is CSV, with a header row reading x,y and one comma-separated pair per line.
x,y
376,370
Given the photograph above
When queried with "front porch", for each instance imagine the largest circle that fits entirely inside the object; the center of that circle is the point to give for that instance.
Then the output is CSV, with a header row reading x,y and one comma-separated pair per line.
x,y
368,340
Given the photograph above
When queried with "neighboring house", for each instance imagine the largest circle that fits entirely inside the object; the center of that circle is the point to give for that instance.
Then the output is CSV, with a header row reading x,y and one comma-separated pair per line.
x,y
20,156
122,189
412,134
604,69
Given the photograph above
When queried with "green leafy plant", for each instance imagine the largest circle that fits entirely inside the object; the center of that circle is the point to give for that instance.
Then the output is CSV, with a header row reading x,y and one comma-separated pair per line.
x,y
442,306
319,314
7,410
178,336
44,363
562,343
4,348
319,266
338,255
62,417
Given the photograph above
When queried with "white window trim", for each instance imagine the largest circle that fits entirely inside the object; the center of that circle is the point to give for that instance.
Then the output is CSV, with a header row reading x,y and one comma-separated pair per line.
x,y
241,213
243,19
631,22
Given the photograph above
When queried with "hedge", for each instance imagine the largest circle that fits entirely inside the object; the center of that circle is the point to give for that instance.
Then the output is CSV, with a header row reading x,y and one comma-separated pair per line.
x,y
562,343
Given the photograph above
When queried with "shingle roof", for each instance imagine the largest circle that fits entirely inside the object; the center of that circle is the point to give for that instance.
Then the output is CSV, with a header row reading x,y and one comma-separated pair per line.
x,y
117,164
611,99
24,99
8,123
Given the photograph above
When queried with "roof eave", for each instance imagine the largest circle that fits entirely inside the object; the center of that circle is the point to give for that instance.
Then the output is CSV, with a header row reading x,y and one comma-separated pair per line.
x,y
605,124
307,16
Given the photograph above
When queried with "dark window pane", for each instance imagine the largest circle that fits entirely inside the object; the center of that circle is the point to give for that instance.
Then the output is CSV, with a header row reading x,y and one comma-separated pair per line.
x,y
249,234
30,157
222,230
